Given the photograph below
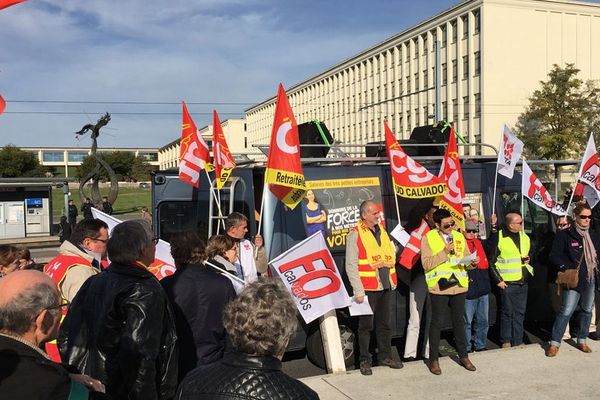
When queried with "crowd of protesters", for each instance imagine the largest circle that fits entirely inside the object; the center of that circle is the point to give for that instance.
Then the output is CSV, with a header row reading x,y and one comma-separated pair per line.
x,y
113,331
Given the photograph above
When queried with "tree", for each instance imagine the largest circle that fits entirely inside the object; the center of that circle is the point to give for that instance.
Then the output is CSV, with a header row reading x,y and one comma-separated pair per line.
x,y
120,161
560,116
140,170
15,163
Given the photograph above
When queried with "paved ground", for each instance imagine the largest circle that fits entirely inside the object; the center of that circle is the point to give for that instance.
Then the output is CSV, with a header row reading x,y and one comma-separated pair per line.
x,y
518,373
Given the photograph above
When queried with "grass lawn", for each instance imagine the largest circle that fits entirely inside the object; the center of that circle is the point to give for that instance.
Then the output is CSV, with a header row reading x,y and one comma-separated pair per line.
x,y
129,200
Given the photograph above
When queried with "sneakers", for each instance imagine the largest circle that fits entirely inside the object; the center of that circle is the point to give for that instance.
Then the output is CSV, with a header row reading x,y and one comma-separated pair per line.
x,y
434,367
465,362
506,345
584,347
552,351
365,368
390,362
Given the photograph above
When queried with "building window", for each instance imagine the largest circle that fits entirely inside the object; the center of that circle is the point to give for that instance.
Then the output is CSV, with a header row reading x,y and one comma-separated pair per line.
x,y
454,31
454,70
424,43
425,79
477,105
466,107
76,156
53,156
245,142
148,156
454,110
444,74
476,21
477,63
465,67
465,24
417,81
444,37
426,114
443,112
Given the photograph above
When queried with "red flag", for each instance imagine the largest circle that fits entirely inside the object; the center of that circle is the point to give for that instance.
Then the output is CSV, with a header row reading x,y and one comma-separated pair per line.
x,y
2,105
223,159
284,170
412,250
194,154
8,3
452,174
410,179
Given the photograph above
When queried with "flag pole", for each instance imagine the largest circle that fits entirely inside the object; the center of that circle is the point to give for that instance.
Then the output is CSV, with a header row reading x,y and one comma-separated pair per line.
x,y
397,207
212,190
496,179
260,215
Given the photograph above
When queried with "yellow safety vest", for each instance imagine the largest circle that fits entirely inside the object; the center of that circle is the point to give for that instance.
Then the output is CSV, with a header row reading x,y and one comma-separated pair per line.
x,y
446,269
509,263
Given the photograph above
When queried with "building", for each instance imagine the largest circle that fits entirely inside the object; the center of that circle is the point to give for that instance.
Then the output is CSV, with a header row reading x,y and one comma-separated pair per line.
x,y
66,159
493,54
235,133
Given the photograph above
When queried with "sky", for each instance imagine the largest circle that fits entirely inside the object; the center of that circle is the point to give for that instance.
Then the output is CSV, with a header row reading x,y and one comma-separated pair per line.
x,y
63,63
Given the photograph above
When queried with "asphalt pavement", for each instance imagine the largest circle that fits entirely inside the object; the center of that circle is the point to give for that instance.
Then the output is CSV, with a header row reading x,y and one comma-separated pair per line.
x,y
517,373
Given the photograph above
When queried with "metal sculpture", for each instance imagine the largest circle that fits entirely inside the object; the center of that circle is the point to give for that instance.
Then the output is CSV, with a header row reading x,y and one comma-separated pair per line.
x,y
94,174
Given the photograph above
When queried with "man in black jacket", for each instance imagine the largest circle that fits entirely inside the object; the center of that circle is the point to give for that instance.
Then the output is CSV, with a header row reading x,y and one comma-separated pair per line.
x,y
30,311
120,327
260,323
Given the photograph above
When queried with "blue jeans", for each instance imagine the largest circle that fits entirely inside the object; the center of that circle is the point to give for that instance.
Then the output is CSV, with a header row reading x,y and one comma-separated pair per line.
x,y
476,316
513,302
570,300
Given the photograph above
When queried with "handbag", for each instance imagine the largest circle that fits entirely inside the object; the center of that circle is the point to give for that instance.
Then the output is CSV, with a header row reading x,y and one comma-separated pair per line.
x,y
444,283
569,278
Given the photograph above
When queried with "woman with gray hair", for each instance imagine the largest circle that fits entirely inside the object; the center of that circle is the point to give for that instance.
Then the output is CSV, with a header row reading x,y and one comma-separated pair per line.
x,y
260,323
120,327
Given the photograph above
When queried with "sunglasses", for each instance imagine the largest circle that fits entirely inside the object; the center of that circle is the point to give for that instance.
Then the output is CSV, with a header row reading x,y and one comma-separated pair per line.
x,y
584,216
64,304
448,225
472,231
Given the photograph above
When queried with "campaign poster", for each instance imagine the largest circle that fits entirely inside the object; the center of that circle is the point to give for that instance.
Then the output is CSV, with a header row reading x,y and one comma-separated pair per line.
x,y
331,206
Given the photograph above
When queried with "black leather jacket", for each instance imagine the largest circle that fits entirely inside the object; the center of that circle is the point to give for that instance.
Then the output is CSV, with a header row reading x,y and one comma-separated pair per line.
x,y
120,330
240,376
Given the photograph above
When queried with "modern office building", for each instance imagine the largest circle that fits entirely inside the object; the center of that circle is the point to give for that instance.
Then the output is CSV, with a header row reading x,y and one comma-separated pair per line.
x,y
235,133
66,159
492,56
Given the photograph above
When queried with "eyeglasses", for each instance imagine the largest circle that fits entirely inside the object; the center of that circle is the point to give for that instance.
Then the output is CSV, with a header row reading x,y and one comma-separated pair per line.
x,y
584,216
517,223
99,240
448,225
64,303
561,225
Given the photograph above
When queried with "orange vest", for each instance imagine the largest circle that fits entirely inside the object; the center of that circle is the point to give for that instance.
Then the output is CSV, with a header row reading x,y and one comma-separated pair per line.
x,y
412,250
57,269
369,275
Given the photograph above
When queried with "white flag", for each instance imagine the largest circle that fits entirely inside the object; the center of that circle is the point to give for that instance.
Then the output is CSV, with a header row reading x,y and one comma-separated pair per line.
x,y
535,191
163,264
590,167
509,153
312,277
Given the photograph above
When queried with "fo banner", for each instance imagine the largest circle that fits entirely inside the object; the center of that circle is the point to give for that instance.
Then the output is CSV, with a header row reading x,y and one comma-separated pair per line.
x,y
310,274
163,264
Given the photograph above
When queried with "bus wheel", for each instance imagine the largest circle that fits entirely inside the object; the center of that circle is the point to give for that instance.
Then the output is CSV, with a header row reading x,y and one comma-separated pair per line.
x,y
314,347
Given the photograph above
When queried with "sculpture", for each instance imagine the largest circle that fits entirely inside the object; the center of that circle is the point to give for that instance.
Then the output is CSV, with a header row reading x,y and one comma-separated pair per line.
x,y
94,175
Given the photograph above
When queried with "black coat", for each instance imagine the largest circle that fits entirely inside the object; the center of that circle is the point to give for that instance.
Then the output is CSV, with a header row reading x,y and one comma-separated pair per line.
x,y
72,214
120,329
567,250
27,374
198,295
240,376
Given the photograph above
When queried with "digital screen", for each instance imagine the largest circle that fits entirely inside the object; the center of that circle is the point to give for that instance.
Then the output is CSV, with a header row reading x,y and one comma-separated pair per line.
x,y
34,203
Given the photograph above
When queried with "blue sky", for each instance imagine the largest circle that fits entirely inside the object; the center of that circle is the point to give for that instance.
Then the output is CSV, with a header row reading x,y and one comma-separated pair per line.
x,y
228,54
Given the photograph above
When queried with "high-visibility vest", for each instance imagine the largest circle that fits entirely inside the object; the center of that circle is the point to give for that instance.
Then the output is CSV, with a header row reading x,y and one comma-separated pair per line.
x,y
449,267
57,269
412,250
509,263
370,254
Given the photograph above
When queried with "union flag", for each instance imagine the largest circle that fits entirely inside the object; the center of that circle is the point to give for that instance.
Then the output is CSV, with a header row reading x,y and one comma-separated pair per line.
x,y
223,160
8,3
2,105
284,172
452,174
194,154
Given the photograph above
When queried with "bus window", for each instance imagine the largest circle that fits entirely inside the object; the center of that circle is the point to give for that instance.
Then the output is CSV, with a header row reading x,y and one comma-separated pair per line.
x,y
179,216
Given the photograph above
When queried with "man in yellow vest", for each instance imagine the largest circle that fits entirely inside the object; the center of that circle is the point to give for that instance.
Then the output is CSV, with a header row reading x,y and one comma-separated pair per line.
x,y
370,259
510,270
442,250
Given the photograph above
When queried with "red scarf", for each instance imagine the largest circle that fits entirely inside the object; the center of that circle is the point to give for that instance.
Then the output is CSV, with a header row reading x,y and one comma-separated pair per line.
x,y
475,245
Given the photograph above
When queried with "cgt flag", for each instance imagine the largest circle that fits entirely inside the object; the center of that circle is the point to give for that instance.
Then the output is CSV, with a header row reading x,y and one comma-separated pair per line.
x,y
194,154
410,179
223,160
534,190
2,105
311,275
590,166
284,171
8,3
452,174
509,154
163,264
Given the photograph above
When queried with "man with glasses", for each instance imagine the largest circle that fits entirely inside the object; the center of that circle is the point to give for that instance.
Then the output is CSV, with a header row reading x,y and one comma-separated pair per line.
x,y
78,259
510,269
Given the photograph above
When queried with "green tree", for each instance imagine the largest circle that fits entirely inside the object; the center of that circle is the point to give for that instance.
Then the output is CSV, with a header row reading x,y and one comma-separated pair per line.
x,y
140,170
15,163
560,116
120,161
